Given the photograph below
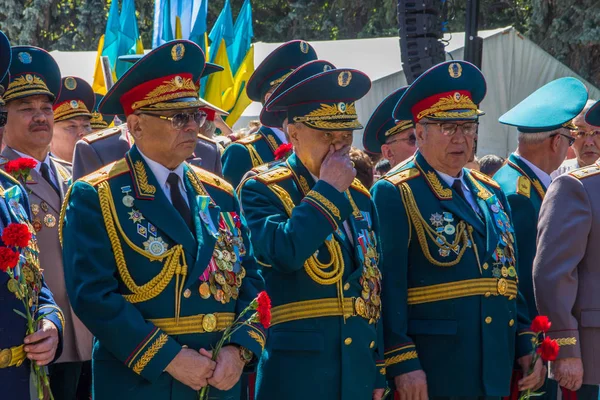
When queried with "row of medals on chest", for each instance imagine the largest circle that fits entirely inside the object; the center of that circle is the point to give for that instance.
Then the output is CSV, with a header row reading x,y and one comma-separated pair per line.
x,y
368,305
223,284
48,219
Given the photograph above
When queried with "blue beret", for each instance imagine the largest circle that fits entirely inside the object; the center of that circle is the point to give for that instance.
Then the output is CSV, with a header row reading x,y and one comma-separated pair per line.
x,y
551,107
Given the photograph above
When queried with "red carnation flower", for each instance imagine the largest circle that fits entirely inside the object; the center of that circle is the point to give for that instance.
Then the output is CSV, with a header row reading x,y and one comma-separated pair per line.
x,y
264,309
283,150
8,258
20,164
541,323
548,349
16,235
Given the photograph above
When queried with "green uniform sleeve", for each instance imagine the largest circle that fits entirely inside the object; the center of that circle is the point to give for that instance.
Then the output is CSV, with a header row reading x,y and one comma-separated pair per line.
x,y
381,381
90,275
284,242
236,162
400,352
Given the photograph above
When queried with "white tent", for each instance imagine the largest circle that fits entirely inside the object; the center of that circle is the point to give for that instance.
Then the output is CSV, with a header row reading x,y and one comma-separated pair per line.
x,y
513,65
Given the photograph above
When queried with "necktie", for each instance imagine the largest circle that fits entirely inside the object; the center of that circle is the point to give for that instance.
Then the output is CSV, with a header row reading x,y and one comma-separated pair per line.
x,y
457,186
45,170
178,201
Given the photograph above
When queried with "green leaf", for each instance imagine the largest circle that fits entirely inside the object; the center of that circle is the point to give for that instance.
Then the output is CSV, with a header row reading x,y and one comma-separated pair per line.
x,y
20,313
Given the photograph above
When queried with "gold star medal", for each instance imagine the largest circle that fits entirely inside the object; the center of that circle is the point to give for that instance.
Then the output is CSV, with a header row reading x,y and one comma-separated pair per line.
x,y
155,246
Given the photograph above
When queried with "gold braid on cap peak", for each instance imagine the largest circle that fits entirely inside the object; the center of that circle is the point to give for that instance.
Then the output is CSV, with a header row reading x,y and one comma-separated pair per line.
x,y
175,88
23,85
70,109
331,116
399,127
451,103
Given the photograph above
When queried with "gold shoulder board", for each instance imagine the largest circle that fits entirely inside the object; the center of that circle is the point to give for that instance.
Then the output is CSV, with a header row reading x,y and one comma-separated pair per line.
x,y
93,137
249,139
402,176
261,168
480,176
357,185
274,175
524,186
584,172
211,179
105,173
206,139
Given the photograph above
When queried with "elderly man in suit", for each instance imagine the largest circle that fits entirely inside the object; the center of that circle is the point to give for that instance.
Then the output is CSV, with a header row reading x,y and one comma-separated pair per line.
x,y
34,85
566,274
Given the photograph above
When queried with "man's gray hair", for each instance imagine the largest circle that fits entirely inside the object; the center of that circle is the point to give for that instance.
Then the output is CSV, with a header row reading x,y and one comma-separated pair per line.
x,y
535,138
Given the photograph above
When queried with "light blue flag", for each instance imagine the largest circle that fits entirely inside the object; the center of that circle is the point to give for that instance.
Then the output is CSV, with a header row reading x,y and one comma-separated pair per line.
x,y
222,30
111,34
166,33
242,37
129,35
199,28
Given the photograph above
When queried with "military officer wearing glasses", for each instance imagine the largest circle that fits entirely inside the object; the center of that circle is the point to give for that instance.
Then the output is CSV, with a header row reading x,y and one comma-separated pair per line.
x,y
586,145
157,256
17,349
454,320
394,140
544,123
105,146
259,148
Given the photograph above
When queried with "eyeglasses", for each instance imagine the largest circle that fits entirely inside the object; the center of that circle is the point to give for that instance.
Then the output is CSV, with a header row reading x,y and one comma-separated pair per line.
x,y
411,140
3,118
178,121
571,139
469,129
580,133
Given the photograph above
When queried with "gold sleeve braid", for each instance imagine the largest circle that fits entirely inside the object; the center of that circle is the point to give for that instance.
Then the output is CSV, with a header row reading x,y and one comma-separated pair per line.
x,y
63,212
423,230
150,353
175,263
254,156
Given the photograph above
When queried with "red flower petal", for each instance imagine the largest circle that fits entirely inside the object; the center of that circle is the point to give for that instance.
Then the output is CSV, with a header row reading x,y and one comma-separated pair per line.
x,y
16,235
541,323
283,150
8,258
264,309
548,349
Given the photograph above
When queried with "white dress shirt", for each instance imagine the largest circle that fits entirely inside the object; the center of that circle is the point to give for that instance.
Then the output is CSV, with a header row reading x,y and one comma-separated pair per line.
x,y
468,194
542,176
39,165
161,173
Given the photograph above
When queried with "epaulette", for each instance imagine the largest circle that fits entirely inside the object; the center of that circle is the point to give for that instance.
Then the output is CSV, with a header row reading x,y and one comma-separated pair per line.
x,y
480,176
250,139
401,165
107,172
61,168
206,139
584,172
357,185
524,186
274,175
213,180
103,134
400,176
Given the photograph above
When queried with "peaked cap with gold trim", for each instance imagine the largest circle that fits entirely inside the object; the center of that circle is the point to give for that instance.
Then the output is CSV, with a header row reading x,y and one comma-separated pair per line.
x,y
275,119
449,91
551,107
76,99
277,66
592,116
325,101
99,120
382,125
164,79
33,71
5,57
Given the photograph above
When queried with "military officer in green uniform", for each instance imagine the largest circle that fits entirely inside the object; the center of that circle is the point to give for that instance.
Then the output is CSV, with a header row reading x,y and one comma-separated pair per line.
x,y
544,123
454,320
259,148
393,140
157,256
105,146
18,349
315,232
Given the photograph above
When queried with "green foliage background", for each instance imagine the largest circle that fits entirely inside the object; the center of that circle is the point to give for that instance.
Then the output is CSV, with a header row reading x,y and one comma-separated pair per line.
x,y
568,29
